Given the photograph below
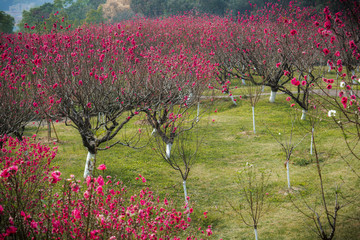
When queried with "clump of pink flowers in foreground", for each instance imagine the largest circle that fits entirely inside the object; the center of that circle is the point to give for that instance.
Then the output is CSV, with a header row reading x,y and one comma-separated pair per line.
x,y
36,202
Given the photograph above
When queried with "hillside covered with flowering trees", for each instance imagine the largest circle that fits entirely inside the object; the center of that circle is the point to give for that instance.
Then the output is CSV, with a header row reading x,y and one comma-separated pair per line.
x,y
152,82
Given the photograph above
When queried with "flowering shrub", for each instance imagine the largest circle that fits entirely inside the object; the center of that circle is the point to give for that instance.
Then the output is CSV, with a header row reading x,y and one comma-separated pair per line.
x,y
26,179
35,202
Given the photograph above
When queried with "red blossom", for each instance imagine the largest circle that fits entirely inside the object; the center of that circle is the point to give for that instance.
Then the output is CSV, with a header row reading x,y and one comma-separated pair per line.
x,y
326,51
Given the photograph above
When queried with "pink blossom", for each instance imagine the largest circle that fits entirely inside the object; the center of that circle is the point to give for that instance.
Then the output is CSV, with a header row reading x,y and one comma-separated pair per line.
x,y
11,230
303,83
55,177
337,54
288,99
208,230
76,213
86,194
88,104
344,100
100,180
5,173
352,44
278,65
13,169
99,190
33,224
102,167
326,51
293,32
295,82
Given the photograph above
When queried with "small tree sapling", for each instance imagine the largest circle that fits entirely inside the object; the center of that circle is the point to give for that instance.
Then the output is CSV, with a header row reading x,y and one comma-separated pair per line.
x,y
253,190
288,146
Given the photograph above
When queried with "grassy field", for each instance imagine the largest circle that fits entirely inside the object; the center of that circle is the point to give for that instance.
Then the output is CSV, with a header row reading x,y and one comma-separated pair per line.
x,y
227,144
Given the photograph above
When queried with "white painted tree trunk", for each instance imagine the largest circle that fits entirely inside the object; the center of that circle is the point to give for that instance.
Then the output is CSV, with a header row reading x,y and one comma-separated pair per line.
x,y
232,99
168,150
303,115
312,140
89,165
243,81
329,67
253,113
186,197
288,174
256,234
262,88
353,74
272,97
153,131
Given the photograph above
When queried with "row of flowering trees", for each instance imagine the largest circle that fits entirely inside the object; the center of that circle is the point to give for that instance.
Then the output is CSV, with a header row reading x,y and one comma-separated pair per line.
x,y
115,72
162,67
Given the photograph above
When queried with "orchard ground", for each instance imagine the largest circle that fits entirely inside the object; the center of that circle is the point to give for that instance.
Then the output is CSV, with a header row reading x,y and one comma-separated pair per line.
x,y
227,144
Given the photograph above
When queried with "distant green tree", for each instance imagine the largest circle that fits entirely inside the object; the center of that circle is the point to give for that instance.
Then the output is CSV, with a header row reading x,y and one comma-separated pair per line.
x,y
79,9
180,6
36,16
149,8
6,22
95,16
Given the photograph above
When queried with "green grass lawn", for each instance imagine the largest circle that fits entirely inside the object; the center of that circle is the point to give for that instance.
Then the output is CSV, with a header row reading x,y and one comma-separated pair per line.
x,y
227,144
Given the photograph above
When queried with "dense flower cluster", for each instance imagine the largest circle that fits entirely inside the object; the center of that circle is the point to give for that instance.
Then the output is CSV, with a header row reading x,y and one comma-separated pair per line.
x,y
35,202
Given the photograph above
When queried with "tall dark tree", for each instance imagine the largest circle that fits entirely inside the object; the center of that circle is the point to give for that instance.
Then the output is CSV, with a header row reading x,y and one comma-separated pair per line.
x,y
6,22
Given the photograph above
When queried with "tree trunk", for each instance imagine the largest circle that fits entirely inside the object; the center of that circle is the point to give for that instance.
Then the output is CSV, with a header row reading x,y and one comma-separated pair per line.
x,y
89,165
272,96
186,196
168,150
288,174
303,115
253,113
232,99
198,112
49,129
312,140
153,131
256,234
